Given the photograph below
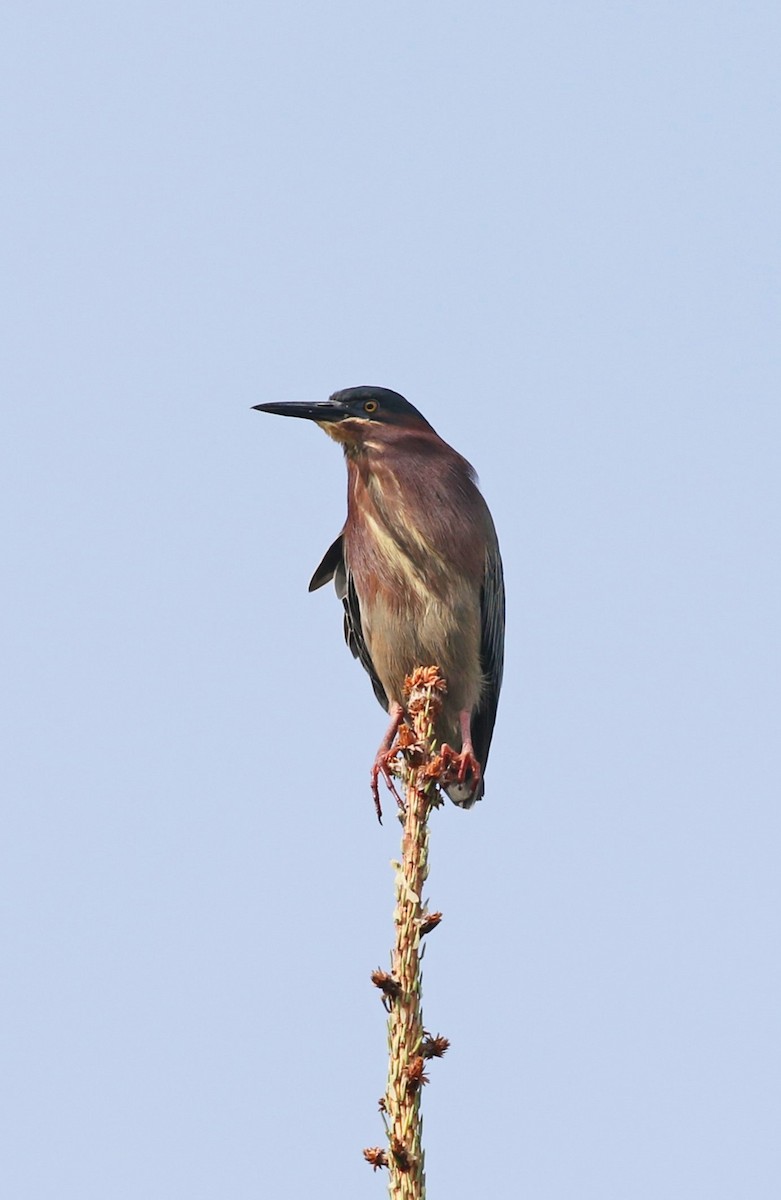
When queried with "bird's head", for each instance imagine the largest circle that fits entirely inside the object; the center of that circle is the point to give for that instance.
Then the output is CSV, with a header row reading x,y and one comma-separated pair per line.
x,y
355,416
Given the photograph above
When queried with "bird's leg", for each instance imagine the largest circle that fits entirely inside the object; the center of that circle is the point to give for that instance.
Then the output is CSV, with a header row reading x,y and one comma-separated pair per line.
x,y
465,763
384,756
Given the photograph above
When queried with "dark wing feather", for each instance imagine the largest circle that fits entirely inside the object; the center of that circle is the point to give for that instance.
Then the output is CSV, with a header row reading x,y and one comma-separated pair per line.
x,y
492,608
331,562
334,566
353,635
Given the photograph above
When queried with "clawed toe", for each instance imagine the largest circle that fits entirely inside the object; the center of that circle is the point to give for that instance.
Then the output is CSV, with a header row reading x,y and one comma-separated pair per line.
x,y
382,767
459,764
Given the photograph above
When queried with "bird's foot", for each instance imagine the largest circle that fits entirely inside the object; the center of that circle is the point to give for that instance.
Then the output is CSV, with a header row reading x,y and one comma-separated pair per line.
x,y
382,767
385,757
457,765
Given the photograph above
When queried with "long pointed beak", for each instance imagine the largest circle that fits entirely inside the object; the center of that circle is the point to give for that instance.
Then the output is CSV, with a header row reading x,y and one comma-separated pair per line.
x,y
324,410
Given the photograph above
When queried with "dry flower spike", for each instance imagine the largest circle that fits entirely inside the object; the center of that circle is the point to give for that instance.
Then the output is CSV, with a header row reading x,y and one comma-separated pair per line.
x,y
410,1046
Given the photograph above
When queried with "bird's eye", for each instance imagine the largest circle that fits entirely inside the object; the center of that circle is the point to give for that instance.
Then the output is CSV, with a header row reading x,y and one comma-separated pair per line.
x,y
370,406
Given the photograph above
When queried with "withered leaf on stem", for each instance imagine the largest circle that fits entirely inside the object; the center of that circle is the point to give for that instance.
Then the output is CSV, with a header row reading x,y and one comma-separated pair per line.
x,y
400,1154
434,1047
386,983
429,922
416,1076
376,1157
405,737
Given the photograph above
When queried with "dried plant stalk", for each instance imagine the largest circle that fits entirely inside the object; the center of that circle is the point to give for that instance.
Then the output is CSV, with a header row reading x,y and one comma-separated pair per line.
x,y
408,1044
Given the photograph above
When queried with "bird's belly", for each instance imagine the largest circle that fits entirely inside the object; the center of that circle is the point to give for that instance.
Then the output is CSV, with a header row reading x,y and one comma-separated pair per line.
x,y
427,632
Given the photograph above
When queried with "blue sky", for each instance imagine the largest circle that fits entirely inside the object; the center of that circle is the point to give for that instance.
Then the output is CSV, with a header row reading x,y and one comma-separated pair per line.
x,y
554,228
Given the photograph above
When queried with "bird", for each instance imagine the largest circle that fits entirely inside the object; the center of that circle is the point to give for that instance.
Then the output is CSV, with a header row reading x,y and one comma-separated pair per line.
x,y
418,570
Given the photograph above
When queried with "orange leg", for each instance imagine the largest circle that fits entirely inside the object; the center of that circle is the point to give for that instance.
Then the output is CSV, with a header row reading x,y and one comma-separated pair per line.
x,y
382,762
463,763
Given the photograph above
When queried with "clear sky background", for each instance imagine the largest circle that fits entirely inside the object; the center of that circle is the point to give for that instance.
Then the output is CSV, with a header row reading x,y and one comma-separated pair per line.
x,y
554,228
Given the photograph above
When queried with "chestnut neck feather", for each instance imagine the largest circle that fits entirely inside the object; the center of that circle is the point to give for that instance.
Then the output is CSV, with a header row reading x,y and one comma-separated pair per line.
x,y
410,488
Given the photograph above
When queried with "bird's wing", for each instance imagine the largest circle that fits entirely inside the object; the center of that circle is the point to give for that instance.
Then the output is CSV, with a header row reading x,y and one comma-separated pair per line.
x,y
334,566
492,608
331,562
353,635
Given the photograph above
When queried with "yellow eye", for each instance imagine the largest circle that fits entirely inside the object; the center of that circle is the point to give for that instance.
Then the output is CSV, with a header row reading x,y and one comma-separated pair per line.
x,y
370,406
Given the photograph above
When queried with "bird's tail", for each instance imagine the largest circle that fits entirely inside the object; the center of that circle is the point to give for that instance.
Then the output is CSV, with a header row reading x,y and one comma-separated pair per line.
x,y
467,793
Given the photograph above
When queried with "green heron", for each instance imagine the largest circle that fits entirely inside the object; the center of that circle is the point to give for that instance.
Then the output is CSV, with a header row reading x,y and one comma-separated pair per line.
x,y
418,569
